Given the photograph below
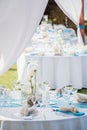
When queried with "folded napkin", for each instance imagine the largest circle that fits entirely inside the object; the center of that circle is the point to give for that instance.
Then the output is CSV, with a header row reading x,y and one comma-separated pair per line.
x,y
73,113
81,97
69,110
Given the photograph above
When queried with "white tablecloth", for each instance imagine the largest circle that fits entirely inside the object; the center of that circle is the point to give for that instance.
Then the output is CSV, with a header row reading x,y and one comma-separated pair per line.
x,y
47,120
58,71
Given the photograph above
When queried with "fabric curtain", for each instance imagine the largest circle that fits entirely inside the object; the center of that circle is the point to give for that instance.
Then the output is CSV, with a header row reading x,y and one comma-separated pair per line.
x,y
18,21
72,8
85,9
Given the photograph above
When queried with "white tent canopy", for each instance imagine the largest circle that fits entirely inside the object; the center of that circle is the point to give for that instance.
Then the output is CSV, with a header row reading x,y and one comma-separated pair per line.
x,y
85,9
18,21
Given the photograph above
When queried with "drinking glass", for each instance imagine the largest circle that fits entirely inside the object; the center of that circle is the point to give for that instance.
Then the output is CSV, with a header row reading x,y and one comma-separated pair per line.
x,y
74,90
67,95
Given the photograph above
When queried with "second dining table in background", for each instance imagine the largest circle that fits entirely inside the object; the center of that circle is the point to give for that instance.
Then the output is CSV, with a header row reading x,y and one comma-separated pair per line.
x,y
58,71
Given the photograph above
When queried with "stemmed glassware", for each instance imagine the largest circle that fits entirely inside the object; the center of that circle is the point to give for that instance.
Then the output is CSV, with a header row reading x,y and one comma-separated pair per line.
x,y
74,90
67,91
45,94
2,96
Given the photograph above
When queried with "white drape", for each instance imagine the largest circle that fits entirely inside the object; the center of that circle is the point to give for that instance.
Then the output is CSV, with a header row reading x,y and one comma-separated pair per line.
x,y
85,9
18,20
72,8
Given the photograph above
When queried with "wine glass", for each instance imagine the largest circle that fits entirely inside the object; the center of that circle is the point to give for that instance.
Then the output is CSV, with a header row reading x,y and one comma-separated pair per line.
x,y
67,95
74,90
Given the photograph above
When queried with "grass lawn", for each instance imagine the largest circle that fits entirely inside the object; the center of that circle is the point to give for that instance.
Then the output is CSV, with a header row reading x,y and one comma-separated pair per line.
x,y
84,90
10,76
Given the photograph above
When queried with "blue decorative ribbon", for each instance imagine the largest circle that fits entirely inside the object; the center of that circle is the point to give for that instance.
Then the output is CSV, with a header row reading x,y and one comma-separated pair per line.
x,y
81,26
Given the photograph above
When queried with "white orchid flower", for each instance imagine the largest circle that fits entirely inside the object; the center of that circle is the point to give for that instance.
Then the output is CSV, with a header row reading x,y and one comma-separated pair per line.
x,y
31,69
31,75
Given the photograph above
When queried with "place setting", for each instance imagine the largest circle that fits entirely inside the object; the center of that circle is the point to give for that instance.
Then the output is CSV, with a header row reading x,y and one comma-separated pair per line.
x,y
65,102
81,100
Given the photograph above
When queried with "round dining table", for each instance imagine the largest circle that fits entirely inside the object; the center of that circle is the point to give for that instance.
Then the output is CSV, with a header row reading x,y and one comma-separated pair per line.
x,y
58,71
45,119
45,116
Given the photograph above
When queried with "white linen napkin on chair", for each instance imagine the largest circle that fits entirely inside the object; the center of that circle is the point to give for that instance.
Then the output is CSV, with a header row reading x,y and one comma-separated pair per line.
x,y
81,97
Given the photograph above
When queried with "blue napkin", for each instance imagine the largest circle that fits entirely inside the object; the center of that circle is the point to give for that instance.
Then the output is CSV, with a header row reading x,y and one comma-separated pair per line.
x,y
54,106
80,53
81,104
11,105
71,113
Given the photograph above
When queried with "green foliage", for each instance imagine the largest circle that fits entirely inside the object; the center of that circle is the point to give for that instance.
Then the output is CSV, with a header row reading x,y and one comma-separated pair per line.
x,y
9,77
84,90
